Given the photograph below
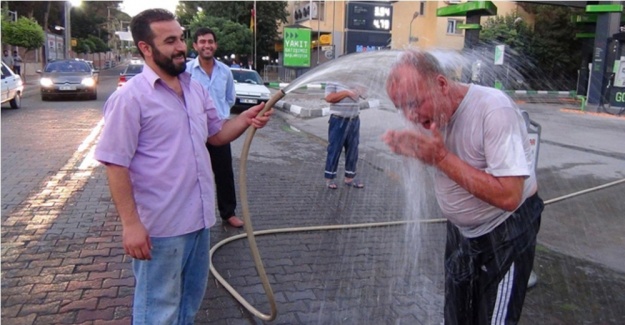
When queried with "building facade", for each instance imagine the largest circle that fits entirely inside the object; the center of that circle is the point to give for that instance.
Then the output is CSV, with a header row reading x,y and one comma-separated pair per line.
x,y
343,27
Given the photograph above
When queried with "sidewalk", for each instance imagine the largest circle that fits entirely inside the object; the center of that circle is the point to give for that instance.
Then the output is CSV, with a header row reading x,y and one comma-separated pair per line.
x,y
62,261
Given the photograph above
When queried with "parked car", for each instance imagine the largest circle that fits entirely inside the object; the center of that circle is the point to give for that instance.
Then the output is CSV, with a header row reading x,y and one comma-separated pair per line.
x,y
133,69
12,87
249,88
68,78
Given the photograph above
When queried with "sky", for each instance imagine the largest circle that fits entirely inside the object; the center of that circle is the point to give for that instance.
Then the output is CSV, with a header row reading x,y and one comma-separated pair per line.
x,y
133,7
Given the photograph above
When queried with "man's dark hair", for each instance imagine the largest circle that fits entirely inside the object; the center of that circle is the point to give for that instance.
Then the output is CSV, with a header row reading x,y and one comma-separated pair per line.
x,y
203,31
140,25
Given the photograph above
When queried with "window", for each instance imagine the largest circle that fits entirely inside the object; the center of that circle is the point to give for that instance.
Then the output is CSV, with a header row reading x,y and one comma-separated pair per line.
x,y
5,72
422,8
452,27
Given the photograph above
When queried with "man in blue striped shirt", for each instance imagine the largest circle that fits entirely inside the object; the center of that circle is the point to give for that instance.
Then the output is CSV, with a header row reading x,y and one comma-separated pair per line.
x,y
343,132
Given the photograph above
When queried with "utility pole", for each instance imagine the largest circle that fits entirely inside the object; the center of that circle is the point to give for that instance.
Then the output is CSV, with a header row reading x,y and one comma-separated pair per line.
x,y
68,30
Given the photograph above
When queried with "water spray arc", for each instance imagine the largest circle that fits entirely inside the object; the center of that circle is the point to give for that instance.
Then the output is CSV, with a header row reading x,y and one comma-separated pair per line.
x,y
312,75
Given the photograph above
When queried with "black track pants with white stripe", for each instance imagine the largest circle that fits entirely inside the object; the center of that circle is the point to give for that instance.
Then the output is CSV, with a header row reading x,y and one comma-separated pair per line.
x,y
486,277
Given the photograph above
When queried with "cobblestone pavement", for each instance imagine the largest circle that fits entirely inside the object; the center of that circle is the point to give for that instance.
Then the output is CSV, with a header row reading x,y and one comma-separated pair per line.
x,y
62,262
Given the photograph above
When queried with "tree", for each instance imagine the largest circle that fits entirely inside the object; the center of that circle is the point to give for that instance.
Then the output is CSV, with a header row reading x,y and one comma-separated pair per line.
x,y
88,19
24,33
84,46
98,43
555,45
269,17
510,30
547,55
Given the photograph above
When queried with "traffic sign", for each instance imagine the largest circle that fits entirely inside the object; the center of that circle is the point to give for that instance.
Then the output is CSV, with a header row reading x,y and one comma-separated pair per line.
x,y
297,47
325,39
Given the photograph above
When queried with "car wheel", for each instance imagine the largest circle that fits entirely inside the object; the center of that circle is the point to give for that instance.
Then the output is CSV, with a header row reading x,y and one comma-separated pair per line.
x,y
45,97
16,102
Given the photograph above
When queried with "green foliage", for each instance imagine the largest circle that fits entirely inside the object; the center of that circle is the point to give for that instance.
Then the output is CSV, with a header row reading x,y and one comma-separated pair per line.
x,y
99,45
509,30
24,33
548,54
269,16
84,46
89,19
232,37
555,44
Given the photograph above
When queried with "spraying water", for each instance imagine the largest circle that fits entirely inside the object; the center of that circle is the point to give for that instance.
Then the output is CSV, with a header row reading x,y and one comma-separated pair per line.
x,y
369,71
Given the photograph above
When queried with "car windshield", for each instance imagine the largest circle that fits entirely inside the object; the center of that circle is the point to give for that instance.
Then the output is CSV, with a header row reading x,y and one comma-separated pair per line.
x,y
66,66
247,76
134,69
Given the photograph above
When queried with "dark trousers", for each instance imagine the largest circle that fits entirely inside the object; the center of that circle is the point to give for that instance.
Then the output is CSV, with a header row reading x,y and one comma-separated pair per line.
x,y
17,69
221,160
486,277
342,133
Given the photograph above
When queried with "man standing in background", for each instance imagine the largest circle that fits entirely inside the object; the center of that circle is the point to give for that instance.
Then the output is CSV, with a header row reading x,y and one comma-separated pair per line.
x,y
343,132
17,63
217,79
7,59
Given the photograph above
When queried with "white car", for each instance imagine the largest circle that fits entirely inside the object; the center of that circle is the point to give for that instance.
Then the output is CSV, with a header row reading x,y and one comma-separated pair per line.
x,y
12,87
249,88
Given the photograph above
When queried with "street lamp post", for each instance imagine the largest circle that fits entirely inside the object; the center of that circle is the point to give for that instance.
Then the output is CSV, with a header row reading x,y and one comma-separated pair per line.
x,y
13,19
68,30
410,38
68,4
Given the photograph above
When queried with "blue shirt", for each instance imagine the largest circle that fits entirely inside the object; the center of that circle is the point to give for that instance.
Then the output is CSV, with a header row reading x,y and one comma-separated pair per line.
x,y
220,84
161,139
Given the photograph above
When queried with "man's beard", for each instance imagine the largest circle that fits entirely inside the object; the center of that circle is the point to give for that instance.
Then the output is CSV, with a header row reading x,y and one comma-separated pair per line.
x,y
167,64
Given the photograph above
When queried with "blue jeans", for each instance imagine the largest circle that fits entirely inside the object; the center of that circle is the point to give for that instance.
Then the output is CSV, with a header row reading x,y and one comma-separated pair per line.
x,y
342,133
169,288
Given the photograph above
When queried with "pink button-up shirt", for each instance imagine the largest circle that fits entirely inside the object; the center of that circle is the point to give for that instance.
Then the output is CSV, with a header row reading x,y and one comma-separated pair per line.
x,y
161,139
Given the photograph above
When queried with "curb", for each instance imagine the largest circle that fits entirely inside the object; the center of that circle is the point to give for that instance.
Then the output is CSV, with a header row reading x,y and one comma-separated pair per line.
x,y
569,93
303,112
280,85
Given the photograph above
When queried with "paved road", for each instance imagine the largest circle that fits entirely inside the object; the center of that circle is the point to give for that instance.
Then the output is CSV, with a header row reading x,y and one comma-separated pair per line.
x,y
62,262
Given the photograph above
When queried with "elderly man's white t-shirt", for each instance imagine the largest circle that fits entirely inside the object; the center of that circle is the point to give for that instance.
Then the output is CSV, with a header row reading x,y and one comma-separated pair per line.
x,y
489,133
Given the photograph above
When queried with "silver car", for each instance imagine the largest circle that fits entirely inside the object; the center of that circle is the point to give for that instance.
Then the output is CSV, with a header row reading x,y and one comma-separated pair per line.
x,y
68,78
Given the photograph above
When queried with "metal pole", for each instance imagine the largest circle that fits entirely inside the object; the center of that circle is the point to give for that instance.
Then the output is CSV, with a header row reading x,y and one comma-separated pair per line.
x,y
14,19
68,30
318,32
255,53
333,19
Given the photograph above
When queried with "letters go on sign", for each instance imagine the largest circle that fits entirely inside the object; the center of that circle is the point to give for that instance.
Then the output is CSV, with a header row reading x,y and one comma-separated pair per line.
x,y
297,47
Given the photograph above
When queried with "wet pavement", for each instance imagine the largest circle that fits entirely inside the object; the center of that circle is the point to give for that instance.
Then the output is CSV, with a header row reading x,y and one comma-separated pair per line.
x,y
62,261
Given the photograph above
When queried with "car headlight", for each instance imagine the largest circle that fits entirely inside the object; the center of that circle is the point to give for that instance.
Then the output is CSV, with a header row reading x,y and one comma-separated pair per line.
x,y
45,82
89,82
264,95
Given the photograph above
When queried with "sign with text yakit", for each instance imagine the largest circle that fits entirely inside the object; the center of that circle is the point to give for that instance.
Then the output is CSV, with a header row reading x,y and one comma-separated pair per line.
x,y
297,47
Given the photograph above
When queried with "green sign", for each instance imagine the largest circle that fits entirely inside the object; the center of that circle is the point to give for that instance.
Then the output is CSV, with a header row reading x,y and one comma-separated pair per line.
x,y
499,54
297,47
